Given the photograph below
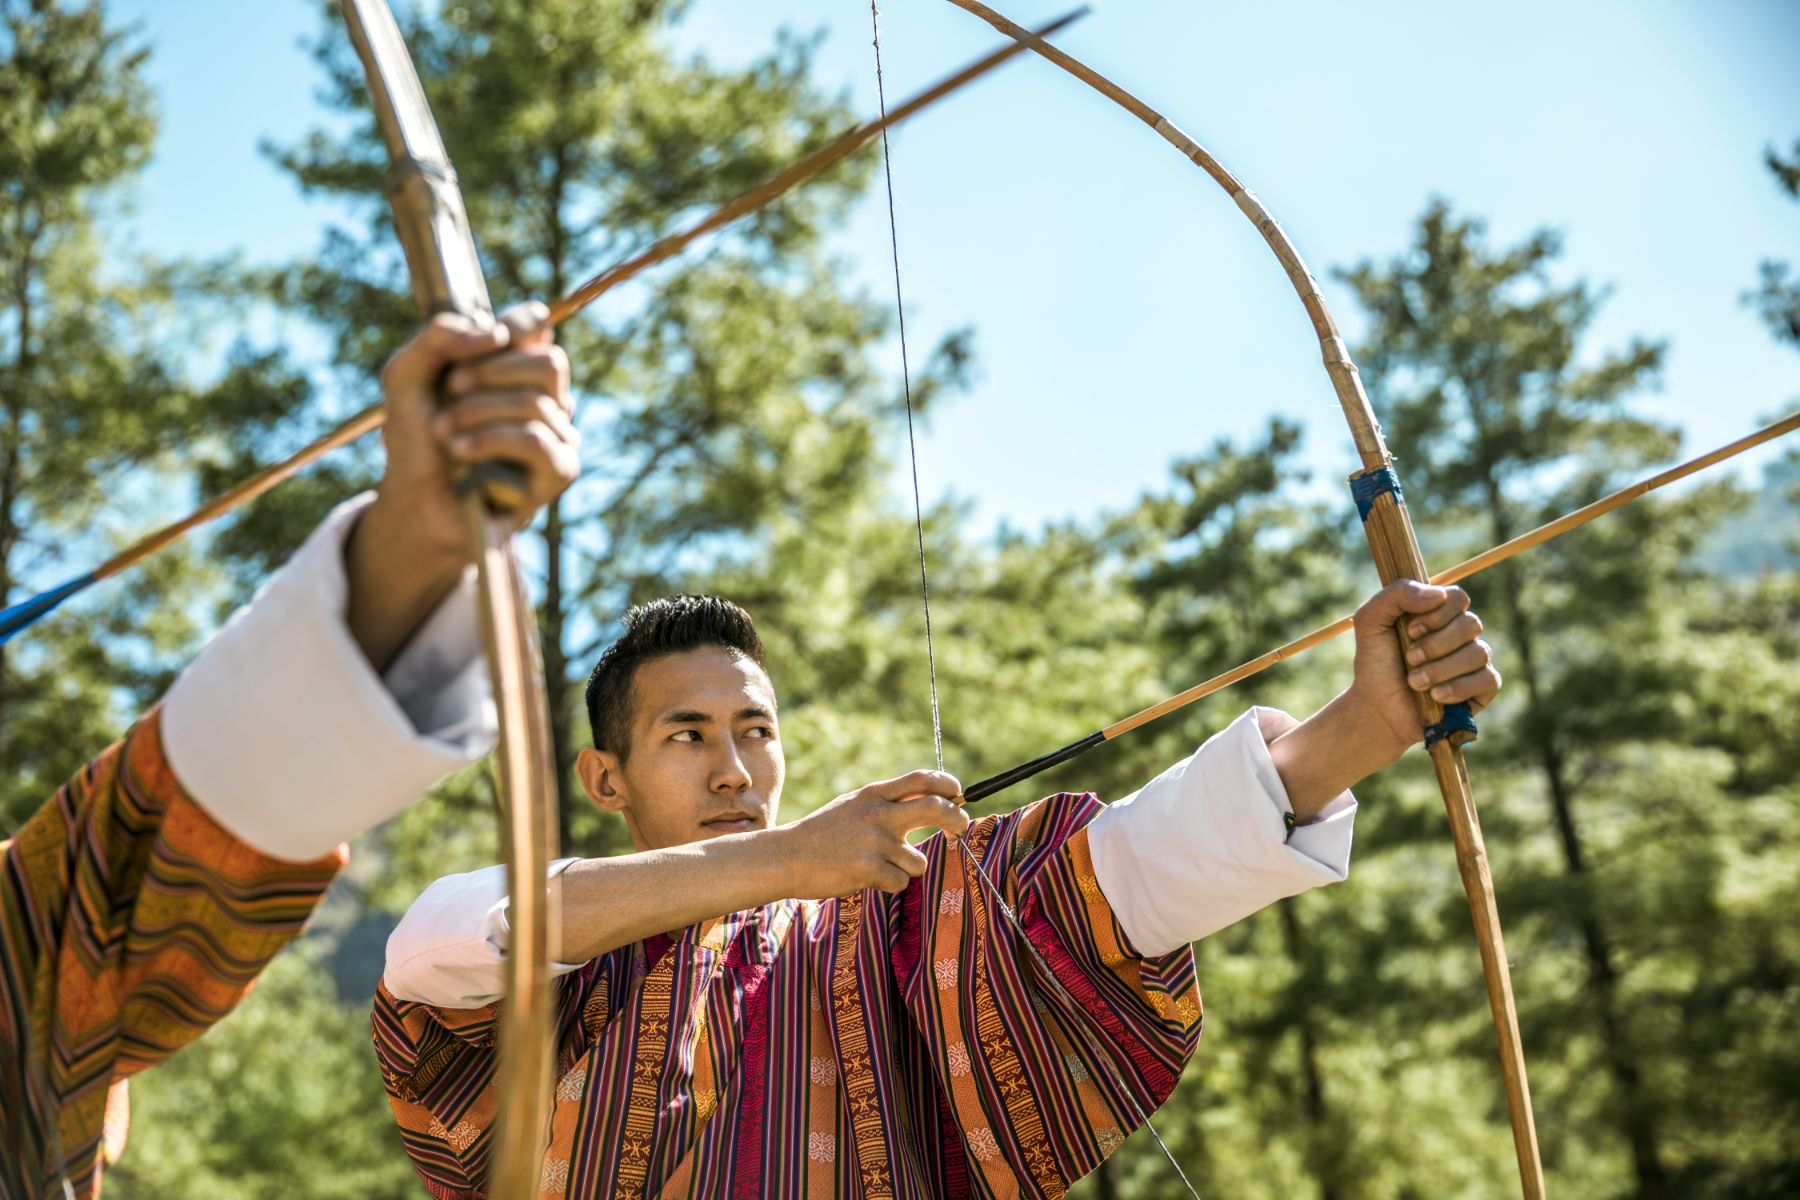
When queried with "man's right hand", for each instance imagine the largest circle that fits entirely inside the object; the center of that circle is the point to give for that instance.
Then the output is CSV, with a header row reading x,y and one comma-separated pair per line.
x,y
858,841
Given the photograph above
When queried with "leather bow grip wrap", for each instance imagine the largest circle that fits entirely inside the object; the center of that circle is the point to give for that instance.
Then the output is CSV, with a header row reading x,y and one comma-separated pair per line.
x,y
433,227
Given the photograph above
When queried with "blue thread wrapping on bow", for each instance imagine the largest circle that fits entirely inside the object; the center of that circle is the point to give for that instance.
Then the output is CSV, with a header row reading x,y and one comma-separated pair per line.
x,y
1379,482
1457,719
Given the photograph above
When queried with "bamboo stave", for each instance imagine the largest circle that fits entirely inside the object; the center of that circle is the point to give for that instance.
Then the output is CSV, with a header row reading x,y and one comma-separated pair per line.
x,y
445,270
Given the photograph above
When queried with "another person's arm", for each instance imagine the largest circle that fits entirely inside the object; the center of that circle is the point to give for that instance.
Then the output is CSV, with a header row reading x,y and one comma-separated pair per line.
x,y
147,894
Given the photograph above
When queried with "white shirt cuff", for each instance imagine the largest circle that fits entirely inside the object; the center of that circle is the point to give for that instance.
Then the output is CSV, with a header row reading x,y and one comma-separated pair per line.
x,y
449,950
282,730
1206,843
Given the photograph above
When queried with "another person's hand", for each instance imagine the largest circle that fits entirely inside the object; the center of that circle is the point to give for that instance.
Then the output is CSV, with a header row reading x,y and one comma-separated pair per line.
x,y
858,841
458,395
1448,658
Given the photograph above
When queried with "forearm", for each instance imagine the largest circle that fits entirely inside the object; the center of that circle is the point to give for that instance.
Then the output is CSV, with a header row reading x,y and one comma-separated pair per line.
x,y
606,903
396,579
1329,753
284,734
1206,843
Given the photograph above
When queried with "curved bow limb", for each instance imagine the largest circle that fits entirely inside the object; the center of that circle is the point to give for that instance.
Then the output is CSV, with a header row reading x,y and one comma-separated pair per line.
x,y
1397,556
446,277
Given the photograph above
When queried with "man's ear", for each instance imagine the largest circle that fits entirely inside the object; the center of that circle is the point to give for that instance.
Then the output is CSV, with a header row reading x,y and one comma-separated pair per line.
x,y
602,779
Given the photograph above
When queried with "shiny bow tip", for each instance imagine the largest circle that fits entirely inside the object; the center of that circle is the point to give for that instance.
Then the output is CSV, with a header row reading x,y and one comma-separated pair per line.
x,y
27,613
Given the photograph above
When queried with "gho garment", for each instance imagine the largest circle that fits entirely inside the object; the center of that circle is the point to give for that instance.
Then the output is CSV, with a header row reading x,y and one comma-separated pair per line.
x,y
138,905
872,1045
130,922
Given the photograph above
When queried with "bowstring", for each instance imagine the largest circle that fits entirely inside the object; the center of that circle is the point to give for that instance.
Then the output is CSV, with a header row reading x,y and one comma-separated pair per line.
x,y
887,163
1080,1017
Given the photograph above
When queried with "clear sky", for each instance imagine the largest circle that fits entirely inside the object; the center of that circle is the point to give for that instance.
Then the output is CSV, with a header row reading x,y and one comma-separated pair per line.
x,y
1126,313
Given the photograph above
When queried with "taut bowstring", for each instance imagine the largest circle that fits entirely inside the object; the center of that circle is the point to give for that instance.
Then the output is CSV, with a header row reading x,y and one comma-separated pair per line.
x,y
1081,1018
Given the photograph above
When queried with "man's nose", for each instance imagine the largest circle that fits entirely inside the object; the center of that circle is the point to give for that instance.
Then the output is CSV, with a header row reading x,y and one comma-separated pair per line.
x,y
730,774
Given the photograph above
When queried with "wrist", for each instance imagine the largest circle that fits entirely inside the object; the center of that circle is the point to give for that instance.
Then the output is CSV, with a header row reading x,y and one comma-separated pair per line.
x,y
1330,752
400,525
397,576
785,867
1359,721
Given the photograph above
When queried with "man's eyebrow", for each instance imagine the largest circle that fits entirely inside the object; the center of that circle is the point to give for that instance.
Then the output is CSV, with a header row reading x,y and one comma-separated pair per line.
x,y
693,716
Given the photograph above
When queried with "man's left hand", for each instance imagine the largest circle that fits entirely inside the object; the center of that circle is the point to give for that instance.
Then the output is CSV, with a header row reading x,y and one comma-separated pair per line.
x,y
1448,657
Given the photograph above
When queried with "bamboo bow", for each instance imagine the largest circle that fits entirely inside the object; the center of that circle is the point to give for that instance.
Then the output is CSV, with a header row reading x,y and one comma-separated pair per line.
x,y
446,277
1397,556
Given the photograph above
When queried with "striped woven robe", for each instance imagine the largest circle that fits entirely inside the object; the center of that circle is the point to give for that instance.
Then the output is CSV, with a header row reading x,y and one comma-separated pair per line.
x,y
868,1046
130,922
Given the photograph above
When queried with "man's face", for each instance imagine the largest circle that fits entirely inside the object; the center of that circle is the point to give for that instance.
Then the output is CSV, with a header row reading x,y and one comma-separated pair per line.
x,y
705,751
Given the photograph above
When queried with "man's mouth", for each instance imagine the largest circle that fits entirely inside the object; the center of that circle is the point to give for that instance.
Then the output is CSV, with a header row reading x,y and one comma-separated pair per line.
x,y
732,822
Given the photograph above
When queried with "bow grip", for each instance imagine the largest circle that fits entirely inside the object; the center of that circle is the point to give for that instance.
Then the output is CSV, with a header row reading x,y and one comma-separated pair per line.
x,y
1379,501
446,277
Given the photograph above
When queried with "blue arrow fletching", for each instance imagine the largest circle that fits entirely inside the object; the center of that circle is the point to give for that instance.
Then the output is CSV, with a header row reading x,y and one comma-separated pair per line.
x,y
26,613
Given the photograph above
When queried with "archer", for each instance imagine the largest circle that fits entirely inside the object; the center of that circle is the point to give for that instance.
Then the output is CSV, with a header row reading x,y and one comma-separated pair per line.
x,y
823,1008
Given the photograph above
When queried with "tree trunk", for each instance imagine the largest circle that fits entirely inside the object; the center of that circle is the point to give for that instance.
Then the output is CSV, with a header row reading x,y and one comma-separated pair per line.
x,y
1323,1159
1637,1112
552,618
17,398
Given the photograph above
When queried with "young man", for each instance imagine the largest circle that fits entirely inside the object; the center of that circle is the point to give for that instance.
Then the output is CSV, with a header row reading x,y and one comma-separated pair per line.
x,y
863,1020
139,903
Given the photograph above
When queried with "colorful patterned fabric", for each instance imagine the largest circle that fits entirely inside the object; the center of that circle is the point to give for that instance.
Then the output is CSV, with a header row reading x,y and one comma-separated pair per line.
x,y
869,1046
130,922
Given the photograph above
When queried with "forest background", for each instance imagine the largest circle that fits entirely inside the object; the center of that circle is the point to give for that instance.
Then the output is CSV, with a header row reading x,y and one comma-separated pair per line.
x,y
746,435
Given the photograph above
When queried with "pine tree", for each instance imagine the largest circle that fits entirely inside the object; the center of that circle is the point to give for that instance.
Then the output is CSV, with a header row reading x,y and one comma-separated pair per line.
x,y
1503,418
95,400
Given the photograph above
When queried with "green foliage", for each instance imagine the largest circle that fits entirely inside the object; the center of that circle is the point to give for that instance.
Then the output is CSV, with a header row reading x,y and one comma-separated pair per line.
x,y
1636,781
1624,781
1778,296
97,405
282,1100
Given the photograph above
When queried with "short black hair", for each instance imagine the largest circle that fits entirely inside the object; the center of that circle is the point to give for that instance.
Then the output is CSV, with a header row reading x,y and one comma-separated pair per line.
x,y
669,625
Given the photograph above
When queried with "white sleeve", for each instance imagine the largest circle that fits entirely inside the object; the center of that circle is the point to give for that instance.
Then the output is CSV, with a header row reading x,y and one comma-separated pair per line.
x,y
449,950
283,731
1206,843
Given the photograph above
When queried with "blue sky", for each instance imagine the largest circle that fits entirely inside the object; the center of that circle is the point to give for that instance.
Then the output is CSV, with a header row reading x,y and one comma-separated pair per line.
x,y
1125,312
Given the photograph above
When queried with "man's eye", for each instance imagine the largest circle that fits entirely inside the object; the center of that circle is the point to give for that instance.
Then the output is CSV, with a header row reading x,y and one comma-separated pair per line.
x,y
760,731
686,735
